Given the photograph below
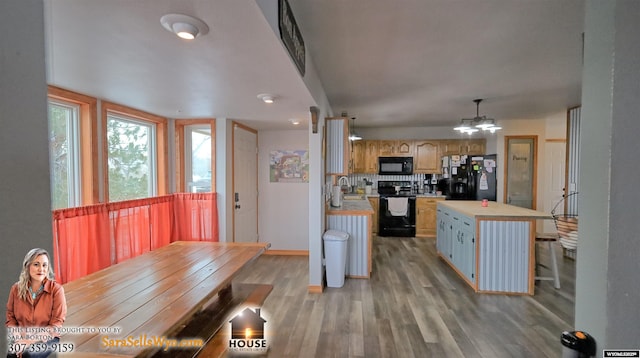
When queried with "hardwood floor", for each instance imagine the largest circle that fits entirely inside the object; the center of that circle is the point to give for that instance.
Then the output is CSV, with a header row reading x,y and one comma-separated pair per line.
x,y
414,305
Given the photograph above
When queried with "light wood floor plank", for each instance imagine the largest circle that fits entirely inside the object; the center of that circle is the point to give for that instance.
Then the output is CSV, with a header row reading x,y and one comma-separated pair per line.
x,y
413,305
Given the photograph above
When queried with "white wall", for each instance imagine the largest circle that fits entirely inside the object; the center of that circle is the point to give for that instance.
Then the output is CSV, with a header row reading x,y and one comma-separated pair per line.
x,y
409,133
25,195
607,265
556,125
283,208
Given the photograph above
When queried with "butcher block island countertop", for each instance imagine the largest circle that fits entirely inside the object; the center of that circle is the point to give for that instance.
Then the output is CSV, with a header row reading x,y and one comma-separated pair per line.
x,y
491,248
494,210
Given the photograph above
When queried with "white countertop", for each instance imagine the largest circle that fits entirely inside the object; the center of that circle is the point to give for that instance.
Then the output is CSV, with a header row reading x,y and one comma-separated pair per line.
x,y
374,194
351,207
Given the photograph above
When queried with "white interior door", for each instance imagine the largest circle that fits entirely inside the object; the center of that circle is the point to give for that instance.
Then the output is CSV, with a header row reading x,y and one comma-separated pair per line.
x,y
555,168
245,184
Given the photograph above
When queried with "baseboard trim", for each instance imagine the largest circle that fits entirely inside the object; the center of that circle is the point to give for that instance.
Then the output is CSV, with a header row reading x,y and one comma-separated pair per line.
x,y
316,289
287,252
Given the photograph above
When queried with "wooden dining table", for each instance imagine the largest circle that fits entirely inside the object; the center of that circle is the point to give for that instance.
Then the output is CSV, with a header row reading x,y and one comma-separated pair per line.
x,y
134,308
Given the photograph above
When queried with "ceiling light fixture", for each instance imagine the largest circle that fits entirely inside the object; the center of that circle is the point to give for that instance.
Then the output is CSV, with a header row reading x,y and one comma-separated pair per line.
x,y
266,98
352,133
472,125
294,121
184,26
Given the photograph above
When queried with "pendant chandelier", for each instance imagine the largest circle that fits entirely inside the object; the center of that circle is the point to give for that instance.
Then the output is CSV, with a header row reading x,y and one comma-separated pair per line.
x,y
353,136
472,125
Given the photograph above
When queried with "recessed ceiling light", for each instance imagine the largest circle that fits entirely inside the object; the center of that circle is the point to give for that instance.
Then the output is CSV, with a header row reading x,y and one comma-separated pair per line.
x,y
184,26
266,98
294,121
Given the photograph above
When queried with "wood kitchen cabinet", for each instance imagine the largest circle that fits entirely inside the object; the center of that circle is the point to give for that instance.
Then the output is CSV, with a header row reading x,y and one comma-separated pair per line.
x,y
462,146
475,146
426,209
374,201
427,154
358,152
386,148
371,157
404,148
427,158
395,148
450,147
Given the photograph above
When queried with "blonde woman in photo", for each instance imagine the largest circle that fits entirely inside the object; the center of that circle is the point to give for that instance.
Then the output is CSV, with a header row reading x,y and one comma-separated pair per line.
x,y
36,308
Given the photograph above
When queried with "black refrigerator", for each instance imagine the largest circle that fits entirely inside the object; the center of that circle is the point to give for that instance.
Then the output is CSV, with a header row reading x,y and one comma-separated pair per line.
x,y
470,177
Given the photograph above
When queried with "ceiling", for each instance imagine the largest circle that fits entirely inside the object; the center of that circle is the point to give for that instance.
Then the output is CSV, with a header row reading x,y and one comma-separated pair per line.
x,y
388,63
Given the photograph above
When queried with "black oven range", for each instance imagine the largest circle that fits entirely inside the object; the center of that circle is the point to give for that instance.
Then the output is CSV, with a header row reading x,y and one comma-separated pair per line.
x,y
397,215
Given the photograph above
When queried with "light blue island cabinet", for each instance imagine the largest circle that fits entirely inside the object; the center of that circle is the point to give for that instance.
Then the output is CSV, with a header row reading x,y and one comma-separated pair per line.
x,y
491,248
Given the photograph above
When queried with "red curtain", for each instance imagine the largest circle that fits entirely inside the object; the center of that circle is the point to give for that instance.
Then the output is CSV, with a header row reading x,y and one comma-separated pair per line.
x,y
162,221
197,215
81,241
90,238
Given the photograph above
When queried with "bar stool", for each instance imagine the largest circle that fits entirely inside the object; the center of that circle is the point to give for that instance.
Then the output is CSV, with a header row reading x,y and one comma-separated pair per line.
x,y
550,239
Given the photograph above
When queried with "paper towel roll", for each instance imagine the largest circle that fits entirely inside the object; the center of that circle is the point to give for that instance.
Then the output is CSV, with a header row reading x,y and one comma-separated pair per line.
x,y
336,196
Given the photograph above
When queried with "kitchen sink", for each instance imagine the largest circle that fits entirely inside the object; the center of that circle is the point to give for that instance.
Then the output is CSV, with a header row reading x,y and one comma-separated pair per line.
x,y
353,197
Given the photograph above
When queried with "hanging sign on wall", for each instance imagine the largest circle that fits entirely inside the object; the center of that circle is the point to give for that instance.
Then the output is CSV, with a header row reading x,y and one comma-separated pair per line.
x,y
290,35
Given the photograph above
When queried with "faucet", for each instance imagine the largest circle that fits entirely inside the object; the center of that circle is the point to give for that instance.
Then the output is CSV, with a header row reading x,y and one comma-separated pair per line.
x,y
346,182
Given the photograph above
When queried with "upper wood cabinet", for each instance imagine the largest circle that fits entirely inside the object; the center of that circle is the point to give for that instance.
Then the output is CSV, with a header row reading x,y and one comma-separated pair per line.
x,y
395,148
475,146
386,148
450,147
427,154
426,158
463,146
358,151
404,148
371,157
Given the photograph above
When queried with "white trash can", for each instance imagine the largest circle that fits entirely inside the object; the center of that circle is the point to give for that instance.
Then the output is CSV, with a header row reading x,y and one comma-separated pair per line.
x,y
335,256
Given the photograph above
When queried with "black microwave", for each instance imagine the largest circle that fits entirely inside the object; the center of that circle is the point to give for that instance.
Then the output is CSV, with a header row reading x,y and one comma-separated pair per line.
x,y
395,165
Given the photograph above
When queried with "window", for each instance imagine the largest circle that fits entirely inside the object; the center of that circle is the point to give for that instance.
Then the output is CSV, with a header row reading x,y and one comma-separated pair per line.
x,y
134,151
64,154
195,157
131,160
198,158
73,165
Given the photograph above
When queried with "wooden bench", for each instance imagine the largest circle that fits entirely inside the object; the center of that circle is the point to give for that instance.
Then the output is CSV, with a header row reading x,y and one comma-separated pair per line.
x,y
151,296
209,324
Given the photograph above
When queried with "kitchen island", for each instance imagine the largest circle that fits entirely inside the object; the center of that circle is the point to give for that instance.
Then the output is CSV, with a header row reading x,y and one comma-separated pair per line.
x,y
491,248
354,216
